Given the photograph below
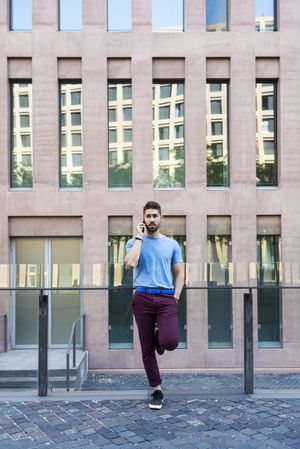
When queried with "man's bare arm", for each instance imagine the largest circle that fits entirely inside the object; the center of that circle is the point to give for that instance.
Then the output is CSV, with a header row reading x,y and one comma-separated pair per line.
x,y
178,270
132,257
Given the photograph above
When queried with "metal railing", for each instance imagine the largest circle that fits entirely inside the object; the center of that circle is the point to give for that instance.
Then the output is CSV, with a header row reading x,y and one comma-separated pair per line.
x,y
43,328
72,342
5,342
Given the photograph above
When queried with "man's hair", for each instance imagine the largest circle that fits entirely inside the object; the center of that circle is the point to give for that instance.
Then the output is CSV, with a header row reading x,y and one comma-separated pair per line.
x,y
152,205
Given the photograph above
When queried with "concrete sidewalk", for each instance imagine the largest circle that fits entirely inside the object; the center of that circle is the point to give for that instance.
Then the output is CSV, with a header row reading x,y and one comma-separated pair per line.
x,y
117,415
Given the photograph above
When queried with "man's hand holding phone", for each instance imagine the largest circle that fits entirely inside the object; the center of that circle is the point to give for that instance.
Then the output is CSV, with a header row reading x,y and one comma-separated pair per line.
x,y
140,229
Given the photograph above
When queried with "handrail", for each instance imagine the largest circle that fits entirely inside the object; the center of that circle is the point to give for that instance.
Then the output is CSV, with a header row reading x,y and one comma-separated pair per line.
x,y
5,345
72,340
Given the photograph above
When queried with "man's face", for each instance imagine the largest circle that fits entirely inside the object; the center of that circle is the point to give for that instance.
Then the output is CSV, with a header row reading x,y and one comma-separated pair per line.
x,y
152,219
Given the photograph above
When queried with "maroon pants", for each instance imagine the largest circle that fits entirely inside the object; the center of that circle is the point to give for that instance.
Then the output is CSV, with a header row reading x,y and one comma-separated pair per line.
x,y
149,309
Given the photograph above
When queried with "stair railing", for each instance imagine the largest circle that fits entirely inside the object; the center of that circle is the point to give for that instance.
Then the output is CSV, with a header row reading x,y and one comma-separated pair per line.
x,y
72,342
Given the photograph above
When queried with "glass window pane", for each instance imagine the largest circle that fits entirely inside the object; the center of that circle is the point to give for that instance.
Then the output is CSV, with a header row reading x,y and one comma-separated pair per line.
x,y
217,135
70,15
216,15
219,300
168,129
118,15
127,114
266,136
71,173
269,300
112,115
265,19
167,15
120,136
65,305
21,149
120,310
20,15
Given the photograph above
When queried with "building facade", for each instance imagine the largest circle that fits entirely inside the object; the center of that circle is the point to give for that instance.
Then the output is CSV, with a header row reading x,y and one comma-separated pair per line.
x,y
193,104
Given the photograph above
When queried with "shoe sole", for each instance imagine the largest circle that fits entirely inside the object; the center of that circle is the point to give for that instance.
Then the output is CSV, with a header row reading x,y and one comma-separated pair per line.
x,y
156,407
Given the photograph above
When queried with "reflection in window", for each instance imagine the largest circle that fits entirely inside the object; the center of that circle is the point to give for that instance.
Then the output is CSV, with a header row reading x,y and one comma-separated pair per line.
x,y
219,300
175,228
167,15
266,138
120,312
70,15
168,129
21,150
118,15
20,15
71,174
269,299
120,135
216,15
265,15
217,134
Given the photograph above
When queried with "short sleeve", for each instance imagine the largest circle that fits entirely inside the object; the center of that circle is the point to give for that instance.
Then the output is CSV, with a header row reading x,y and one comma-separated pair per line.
x,y
129,245
177,255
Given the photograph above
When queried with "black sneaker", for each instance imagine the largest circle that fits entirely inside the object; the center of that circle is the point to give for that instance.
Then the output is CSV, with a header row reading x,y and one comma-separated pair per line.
x,y
159,349
157,400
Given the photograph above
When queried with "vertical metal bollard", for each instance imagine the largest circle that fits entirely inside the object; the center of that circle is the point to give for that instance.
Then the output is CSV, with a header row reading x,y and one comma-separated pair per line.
x,y
43,345
248,344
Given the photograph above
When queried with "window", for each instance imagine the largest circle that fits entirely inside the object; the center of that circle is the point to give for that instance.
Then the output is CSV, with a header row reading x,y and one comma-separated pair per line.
x,y
164,112
63,160
32,255
70,15
71,174
77,159
112,115
269,299
76,98
217,128
20,15
219,275
265,15
179,110
216,106
168,128
24,121
120,319
127,114
127,92
24,101
76,140
217,135
118,15
216,15
167,15
266,134
175,228
165,91
163,154
127,135
21,150
119,135
164,133
75,118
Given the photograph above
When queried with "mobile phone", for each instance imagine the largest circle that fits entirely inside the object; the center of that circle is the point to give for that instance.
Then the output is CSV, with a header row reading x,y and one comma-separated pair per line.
x,y
143,229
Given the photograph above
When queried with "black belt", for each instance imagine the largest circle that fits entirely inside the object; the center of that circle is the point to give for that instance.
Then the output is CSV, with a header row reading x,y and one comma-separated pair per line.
x,y
157,291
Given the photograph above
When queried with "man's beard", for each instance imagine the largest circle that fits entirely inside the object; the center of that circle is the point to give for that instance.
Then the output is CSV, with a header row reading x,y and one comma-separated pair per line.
x,y
152,227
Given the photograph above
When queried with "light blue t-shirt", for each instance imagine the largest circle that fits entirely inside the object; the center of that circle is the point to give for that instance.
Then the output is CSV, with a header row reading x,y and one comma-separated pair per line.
x,y
156,258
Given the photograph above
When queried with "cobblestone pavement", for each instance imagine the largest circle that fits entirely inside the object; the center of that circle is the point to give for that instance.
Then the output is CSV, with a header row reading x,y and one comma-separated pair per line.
x,y
209,423
204,382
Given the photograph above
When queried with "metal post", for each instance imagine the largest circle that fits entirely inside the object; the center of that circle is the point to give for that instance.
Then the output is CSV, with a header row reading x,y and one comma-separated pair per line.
x,y
5,334
83,332
248,343
43,345
74,347
68,372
